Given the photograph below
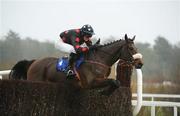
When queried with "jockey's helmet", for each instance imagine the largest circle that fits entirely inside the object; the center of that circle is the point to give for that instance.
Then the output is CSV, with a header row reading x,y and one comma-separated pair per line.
x,y
87,30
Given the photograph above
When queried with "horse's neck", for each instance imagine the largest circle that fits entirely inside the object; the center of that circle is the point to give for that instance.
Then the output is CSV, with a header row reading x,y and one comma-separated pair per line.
x,y
107,54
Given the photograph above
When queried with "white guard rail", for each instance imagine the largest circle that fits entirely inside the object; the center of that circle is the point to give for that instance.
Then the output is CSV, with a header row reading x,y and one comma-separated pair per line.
x,y
4,72
139,92
153,104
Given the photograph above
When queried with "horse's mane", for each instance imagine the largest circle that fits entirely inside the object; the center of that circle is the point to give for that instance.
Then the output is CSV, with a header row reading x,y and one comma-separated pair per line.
x,y
109,43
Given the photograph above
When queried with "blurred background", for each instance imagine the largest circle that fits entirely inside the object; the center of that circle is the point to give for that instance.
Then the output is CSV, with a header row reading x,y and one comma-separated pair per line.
x,y
29,28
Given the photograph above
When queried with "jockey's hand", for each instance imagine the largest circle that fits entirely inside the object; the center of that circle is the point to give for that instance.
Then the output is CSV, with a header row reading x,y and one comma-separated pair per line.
x,y
95,46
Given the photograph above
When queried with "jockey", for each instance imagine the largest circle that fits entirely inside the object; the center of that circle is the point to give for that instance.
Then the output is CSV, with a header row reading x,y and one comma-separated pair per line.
x,y
75,38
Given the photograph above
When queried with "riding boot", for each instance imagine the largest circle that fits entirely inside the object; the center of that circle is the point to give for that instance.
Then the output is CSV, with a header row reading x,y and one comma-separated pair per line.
x,y
70,72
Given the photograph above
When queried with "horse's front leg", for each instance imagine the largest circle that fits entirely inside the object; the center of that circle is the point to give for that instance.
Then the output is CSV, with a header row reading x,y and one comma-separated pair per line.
x,y
101,83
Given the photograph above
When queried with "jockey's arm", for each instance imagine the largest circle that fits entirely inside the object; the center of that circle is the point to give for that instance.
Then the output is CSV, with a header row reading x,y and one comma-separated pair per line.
x,y
62,36
77,47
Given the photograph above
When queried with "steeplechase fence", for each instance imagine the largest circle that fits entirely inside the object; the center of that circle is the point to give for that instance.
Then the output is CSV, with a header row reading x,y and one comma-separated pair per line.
x,y
26,98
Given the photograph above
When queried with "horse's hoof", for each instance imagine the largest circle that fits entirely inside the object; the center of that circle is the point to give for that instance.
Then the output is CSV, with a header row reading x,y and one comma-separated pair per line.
x,y
71,75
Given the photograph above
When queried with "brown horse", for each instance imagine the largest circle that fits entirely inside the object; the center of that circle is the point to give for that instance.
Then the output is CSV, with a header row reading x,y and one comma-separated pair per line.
x,y
93,72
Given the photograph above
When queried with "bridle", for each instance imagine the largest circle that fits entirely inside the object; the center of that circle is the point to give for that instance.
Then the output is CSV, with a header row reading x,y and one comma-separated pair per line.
x,y
130,60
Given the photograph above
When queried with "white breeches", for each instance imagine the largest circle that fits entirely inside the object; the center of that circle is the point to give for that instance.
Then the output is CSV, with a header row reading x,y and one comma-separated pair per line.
x,y
64,47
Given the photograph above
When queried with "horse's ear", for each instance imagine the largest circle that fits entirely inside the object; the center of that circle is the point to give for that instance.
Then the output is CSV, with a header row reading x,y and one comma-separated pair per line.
x,y
126,37
98,41
133,38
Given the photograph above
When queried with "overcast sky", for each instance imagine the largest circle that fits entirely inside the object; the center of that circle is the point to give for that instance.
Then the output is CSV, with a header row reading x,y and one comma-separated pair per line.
x,y
45,19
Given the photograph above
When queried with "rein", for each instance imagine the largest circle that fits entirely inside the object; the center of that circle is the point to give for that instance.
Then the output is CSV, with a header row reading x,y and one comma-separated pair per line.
x,y
98,63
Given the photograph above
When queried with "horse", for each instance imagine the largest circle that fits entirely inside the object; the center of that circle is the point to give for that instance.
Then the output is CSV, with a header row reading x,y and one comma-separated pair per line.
x,y
95,69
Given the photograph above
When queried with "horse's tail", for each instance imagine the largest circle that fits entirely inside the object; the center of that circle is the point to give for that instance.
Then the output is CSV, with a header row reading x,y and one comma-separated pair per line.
x,y
19,70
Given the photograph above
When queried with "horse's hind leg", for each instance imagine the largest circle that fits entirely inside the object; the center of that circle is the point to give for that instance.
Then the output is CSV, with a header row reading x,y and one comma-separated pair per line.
x,y
36,71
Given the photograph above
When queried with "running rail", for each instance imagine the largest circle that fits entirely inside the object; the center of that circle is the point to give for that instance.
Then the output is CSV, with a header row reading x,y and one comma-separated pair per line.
x,y
5,72
139,92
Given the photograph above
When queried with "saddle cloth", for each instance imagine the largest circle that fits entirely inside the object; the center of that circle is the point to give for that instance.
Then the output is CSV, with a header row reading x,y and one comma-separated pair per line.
x,y
62,63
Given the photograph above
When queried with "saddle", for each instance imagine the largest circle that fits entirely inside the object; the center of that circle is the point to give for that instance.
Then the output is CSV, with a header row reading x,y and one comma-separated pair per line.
x,y
62,63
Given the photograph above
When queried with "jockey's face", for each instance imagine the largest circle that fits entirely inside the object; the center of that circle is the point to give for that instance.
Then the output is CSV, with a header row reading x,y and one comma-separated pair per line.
x,y
87,37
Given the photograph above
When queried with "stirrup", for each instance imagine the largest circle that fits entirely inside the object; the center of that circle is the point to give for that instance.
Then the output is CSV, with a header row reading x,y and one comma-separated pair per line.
x,y
70,73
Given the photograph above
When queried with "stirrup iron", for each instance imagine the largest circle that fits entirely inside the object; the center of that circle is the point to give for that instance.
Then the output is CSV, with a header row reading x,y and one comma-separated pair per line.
x,y
70,73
